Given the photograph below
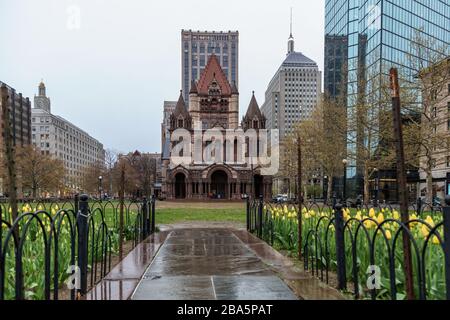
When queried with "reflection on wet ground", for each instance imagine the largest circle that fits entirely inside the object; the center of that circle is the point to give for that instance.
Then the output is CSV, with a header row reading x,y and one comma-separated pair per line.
x,y
206,264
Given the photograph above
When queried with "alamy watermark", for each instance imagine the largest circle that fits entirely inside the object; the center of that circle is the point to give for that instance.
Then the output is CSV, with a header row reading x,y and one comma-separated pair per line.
x,y
374,17
73,17
374,279
74,280
249,149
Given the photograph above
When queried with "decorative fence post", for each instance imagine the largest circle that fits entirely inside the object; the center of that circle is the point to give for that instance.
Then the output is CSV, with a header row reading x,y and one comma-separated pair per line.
x,y
144,231
446,212
260,216
82,222
247,200
76,203
340,247
153,226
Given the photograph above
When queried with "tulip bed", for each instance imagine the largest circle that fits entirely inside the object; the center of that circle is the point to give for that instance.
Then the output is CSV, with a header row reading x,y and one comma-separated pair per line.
x,y
37,235
364,229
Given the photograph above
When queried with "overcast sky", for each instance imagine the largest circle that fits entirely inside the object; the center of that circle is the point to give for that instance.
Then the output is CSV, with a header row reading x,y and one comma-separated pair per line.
x,y
110,71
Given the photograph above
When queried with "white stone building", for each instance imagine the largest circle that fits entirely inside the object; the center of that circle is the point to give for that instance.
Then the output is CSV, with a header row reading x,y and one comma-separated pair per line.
x,y
293,92
58,137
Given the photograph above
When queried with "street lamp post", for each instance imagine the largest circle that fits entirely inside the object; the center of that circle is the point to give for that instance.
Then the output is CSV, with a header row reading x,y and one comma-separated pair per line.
x,y
325,189
377,186
297,140
100,179
344,182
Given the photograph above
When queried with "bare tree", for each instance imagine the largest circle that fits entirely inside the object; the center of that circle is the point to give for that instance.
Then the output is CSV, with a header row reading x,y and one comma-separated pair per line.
x,y
426,133
321,144
124,176
110,162
39,172
91,174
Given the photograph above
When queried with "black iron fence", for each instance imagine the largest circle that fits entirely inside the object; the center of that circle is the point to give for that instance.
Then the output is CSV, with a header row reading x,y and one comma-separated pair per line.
x,y
359,250
59,249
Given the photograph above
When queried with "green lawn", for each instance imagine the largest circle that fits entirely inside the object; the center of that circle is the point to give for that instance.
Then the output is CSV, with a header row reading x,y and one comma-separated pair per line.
x,y
175,215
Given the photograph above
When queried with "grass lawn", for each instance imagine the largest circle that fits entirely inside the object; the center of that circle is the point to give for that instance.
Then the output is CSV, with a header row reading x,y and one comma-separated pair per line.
x,y
176,212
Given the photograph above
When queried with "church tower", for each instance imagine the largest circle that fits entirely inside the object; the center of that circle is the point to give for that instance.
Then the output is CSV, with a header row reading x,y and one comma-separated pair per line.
x,y
213,101
42,101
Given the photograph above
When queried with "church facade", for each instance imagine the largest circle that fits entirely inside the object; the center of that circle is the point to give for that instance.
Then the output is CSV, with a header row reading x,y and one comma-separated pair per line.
x,y
213,168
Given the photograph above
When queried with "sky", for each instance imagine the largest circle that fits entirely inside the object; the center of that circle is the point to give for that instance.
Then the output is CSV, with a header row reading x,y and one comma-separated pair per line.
x,y
109,64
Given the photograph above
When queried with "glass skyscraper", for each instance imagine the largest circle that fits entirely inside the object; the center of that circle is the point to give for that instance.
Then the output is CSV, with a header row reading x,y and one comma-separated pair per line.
x,y
367,37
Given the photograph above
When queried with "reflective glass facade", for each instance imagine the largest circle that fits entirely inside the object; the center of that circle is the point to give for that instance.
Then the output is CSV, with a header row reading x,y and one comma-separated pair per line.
x,y
367,37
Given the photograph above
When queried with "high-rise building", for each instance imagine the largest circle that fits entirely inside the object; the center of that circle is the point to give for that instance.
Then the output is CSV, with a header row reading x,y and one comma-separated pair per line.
x,y
61,139
20,114
196,49
364,39
20,120
293,92
436,92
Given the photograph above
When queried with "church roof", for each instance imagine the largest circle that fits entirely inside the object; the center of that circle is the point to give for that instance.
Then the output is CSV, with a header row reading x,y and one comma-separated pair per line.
x,y
181,107
234,89
253,109
193,87
213,71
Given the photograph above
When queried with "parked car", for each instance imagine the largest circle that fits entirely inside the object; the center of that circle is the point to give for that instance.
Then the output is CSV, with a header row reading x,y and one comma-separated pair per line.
x,y
280,198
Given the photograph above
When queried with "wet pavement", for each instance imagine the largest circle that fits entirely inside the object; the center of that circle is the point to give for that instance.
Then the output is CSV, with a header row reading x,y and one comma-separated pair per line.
x,y
200,261
209,264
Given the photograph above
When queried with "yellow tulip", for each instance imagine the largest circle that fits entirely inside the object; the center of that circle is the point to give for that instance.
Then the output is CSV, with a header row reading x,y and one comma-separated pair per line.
x,y
430,221
358,215
372,212
425,231
396,215
380,218
435,240
388,235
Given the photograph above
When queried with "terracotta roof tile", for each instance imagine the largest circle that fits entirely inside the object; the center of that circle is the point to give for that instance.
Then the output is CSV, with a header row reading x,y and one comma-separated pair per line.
x,y
213,71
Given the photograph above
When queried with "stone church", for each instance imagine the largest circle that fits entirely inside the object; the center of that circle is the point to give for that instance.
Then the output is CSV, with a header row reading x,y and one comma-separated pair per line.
x,y
213,104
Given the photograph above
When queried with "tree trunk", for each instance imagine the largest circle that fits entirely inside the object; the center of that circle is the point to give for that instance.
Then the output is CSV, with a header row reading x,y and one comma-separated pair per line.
x,y
366,185
121,219
429,179
330,189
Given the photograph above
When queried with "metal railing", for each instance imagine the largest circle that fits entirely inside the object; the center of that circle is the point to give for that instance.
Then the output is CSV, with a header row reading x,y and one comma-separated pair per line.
x,y
362,253
53,244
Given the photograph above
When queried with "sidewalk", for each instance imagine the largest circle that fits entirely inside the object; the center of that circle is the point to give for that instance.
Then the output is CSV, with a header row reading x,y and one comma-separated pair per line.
x,y
200,263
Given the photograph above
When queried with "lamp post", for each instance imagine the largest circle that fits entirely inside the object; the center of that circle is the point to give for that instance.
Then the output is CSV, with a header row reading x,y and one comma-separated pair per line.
x,y
377,185
325,189
344,182
100,179
297,140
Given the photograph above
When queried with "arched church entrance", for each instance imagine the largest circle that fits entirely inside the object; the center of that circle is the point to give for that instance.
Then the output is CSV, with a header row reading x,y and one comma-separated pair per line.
x,y
180,186
219,185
